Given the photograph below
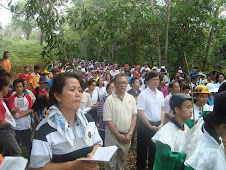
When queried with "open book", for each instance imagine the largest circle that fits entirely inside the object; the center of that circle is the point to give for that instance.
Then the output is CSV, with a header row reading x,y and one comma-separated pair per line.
x,y
103,154
13,163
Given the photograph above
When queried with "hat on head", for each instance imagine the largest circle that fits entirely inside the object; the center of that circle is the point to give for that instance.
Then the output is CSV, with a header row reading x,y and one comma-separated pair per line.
x,y
177,99
163,67
201,89
180,71
42,79
218,114
137,66
126,65
47,72
201,74
145,63
162,70
154,68
212,88
79,67
135,72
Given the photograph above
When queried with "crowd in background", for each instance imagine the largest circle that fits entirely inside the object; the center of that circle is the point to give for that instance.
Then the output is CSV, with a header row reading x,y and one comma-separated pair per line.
x,y
27,100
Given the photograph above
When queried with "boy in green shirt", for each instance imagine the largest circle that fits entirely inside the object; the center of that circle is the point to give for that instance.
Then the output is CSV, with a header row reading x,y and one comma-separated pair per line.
x,y
171,137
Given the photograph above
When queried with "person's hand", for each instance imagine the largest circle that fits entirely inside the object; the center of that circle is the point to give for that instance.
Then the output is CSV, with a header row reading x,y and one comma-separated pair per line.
x,y
128,138
15,110
154,128
90,155
159,127
85,165
17,116
121,138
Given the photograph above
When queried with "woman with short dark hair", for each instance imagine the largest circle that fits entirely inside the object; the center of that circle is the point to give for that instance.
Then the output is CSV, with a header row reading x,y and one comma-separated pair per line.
x,y
67,133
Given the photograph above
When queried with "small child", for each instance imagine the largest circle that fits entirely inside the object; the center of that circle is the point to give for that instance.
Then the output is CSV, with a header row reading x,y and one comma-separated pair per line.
x,y
22,116
171,137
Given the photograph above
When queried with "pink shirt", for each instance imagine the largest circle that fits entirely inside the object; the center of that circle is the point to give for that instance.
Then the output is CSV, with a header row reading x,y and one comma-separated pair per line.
x,y
164,91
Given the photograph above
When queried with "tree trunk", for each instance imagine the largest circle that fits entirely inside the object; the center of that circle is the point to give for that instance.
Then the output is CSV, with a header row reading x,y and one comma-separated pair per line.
x,y
167,28
156,35
41,37
28,34
209,41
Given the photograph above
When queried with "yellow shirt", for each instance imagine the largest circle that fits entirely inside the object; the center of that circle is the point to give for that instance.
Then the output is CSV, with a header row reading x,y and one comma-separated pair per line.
x,y
120,111
34,79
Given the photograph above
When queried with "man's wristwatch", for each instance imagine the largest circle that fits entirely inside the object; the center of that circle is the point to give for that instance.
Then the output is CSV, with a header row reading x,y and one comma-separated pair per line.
x,y
131,134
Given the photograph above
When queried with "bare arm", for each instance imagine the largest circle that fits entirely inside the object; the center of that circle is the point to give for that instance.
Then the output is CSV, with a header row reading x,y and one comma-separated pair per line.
x,y
4,123
113,129
162,115
24,113
131,129
36,117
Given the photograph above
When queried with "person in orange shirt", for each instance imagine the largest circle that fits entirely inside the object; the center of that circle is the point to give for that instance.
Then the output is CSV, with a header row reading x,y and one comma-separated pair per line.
x,y
6,63
34,77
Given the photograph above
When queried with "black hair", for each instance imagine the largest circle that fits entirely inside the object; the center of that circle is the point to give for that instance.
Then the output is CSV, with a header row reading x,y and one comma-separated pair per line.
x,y
219,76
185,86
5,52
222,87
43,74
175,77
3,83
108,85
59,83
172,84
26,66
84,84
133,80
119,76
193,77
37,67
98,81
151,74
180,80
2,72
18,81
161,77
91,81
55,71
7,75
179,106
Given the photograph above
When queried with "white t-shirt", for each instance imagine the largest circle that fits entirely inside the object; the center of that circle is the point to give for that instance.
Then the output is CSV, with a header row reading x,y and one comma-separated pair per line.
x,y
167,107
101,91
114,73
151,103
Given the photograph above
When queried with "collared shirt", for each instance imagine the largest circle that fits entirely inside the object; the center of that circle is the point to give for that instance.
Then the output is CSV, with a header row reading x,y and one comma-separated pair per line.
x,y
151,103
120,111
34,79
167,107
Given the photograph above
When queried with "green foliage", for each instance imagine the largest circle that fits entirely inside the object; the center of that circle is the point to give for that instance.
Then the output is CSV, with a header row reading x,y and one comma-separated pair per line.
x,y
123,31
22,53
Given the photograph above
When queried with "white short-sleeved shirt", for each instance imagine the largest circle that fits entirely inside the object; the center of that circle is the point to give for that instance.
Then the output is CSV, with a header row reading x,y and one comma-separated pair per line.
x,y
167,107
151,104
120,111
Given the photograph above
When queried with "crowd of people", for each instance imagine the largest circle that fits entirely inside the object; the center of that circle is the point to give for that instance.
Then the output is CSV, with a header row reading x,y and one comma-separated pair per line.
x,y
76,107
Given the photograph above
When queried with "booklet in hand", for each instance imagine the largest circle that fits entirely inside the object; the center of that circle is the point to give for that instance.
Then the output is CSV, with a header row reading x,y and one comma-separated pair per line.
x,y
103,154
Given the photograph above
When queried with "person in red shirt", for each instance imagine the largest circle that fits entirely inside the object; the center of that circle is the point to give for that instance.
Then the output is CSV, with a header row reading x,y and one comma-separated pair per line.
x,y
22,116
25,75
41,90
7,138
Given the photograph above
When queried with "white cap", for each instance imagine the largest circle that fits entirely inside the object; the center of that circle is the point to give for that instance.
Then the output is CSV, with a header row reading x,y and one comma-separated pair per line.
x,y
79,67
179,71
163,67
212,88
83,70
